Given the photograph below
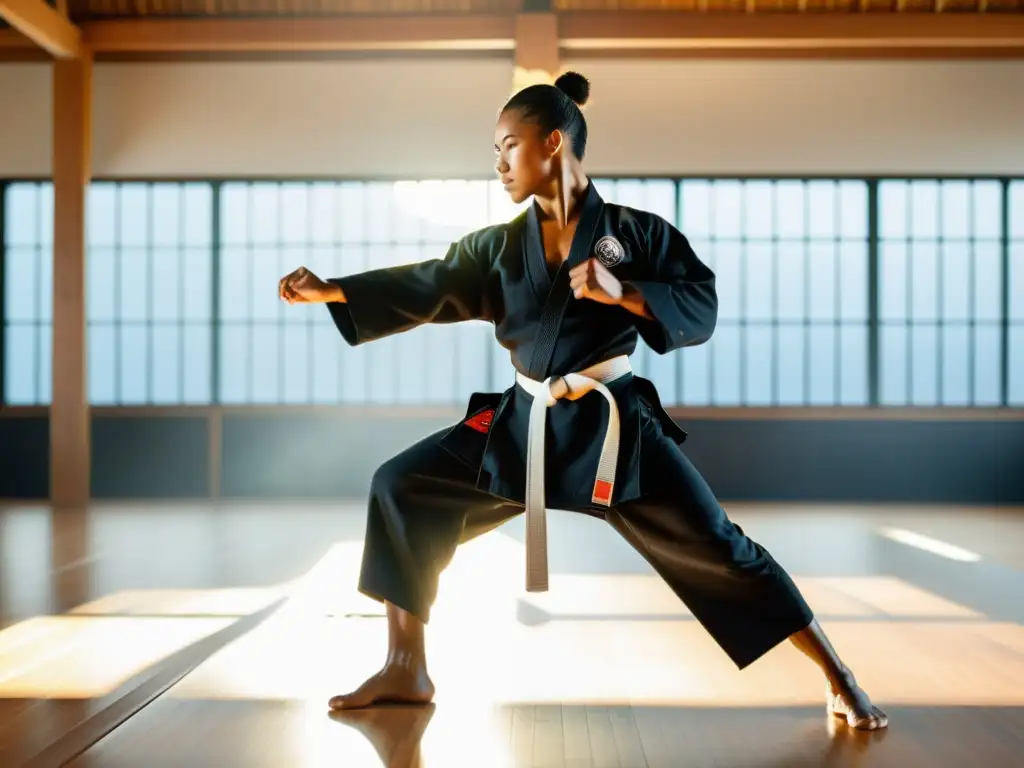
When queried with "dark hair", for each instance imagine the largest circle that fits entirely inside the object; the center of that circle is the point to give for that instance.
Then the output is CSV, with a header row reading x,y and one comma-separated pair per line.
x,y
556,107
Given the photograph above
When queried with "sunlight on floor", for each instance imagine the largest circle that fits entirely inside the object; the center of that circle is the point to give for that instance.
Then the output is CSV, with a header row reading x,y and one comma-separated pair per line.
x,y
78,658
614,675
99,645
235,602
928,544
588,647
603,665
594,638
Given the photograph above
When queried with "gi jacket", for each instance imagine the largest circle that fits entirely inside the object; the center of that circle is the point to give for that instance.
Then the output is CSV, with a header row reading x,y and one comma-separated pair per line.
x,y
499,274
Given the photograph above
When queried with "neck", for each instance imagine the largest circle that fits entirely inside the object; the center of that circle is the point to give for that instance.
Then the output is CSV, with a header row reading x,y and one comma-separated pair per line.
x,y
561,200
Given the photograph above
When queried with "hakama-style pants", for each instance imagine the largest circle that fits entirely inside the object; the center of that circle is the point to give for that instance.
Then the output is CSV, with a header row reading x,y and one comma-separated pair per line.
x,y
424,503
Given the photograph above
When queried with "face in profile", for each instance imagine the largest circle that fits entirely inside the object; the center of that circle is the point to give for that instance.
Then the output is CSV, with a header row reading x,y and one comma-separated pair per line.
x,y
524,155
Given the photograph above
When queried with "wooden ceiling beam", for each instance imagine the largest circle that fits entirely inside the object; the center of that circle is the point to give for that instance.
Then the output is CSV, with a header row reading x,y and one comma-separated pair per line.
x,y
44,26
780,34
463,32
13,40
651,34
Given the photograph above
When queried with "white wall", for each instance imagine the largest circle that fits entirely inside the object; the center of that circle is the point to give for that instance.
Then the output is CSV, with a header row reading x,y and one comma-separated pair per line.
x,y
434,118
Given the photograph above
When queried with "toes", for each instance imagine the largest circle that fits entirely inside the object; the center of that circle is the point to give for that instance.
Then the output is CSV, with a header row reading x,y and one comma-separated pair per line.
x,y
870,720
349,701
338,702
873,722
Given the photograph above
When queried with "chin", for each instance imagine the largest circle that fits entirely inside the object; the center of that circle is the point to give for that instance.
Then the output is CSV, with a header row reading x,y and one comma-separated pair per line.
x,y
517,196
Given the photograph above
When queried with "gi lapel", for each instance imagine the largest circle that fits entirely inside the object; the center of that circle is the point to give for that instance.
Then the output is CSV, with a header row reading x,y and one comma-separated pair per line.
x,y
559,294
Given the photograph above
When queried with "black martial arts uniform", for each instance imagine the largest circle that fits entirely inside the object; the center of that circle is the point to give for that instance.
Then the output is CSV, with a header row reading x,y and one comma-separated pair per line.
x,y
468,479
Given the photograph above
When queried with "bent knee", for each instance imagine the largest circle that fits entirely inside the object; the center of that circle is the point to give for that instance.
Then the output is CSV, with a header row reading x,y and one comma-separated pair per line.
x,y
411,470
391,478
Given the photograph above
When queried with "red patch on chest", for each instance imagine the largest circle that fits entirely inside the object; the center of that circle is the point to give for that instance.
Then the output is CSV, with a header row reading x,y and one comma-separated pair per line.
x,y
481,422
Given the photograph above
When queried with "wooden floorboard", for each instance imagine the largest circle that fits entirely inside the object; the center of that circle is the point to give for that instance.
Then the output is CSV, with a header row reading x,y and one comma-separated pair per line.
x,y
606,669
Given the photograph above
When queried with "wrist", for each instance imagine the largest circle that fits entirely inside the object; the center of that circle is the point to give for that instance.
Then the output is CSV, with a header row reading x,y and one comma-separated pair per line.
x,y
628,293
633,301
335,294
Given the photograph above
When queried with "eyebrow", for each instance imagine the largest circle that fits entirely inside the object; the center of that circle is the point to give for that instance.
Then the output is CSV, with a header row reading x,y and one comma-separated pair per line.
x,y
505,138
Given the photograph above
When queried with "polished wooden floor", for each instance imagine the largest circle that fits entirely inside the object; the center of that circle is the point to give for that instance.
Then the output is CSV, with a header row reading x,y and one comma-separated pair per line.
x,y
200,635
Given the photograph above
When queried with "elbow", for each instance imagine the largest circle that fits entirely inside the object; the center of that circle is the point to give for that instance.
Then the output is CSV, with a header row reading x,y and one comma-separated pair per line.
x,y
705,319
700,335
710,317
679,317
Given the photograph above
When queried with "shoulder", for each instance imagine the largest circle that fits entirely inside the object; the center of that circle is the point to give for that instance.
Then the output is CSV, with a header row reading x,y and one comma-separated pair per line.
x,y
641,228
488,242
494,236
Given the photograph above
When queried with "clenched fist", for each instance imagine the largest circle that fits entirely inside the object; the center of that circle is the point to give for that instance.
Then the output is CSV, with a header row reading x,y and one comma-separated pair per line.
x,y
592,280
303,287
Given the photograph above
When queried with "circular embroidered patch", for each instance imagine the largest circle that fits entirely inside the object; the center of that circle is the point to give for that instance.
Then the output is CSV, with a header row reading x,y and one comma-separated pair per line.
x,y
609,251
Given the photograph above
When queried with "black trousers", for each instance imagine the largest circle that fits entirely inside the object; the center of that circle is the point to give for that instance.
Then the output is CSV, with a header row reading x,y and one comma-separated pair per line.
x,y
424,503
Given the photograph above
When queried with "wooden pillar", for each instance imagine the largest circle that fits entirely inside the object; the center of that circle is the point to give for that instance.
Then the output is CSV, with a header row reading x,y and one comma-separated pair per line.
x,y
537,59
69,411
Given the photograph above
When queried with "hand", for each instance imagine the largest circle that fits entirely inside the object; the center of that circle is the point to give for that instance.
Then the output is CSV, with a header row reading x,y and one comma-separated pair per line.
x,y
303,287
592,280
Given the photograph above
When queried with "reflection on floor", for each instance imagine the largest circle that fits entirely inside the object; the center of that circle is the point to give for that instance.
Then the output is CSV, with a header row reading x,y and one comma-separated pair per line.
x,y
606,669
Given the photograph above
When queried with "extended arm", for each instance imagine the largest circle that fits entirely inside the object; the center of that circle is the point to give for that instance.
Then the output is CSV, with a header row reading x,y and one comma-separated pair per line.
x,y
676,302
384,302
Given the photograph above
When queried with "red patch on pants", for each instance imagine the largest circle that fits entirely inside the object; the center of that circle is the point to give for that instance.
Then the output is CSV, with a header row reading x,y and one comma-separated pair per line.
x,y
481,422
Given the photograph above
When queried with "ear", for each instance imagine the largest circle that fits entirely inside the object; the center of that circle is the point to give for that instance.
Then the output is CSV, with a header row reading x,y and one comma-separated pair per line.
x,y
554,142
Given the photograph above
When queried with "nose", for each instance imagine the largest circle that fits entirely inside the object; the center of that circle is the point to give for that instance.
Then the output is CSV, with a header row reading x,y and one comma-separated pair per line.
x,y
500,166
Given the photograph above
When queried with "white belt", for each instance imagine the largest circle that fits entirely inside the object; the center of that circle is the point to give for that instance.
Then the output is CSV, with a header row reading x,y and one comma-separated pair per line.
x,y
545,394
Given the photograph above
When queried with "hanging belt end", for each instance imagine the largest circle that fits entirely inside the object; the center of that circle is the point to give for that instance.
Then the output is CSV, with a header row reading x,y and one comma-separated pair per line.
x,y
537,577
536,561
603,493
537,584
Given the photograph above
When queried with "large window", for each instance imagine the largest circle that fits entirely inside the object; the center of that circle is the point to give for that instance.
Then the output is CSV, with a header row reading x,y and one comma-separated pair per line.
x,y
149,299
183,309
28,288
275,353
790,259
1014,340
148,278
941,292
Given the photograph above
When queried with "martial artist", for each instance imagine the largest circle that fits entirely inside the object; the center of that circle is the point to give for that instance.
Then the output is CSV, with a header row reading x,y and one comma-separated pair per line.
x,y
570,285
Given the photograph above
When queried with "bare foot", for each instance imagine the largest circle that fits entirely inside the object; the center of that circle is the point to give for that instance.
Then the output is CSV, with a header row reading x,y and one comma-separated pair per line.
x,y
851,702
394,684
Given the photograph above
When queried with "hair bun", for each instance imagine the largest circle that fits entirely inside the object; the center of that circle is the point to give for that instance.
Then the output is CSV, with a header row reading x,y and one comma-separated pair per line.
x,y
575,86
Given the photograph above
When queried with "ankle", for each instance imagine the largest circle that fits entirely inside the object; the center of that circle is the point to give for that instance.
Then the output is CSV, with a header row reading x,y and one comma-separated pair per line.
x,y
842,680
407,660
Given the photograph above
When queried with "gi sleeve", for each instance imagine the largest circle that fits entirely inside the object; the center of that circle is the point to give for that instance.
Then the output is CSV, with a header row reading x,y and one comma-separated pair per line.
x,y
679,290
384,302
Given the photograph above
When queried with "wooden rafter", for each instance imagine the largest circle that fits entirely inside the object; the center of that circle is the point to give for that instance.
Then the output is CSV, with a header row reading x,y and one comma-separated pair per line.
x,y
828,33
599,33
406,33
44,26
